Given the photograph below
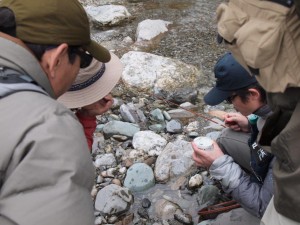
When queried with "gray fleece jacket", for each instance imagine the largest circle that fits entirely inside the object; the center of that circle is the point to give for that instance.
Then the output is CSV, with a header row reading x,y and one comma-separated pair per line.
x,y
252,196
46,173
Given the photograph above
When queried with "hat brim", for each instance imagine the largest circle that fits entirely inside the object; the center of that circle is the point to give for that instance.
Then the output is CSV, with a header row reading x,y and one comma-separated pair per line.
x,y
98,52
97,90
215,96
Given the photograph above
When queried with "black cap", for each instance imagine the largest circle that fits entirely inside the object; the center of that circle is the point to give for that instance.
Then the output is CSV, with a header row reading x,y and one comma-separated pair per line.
x,y
231,76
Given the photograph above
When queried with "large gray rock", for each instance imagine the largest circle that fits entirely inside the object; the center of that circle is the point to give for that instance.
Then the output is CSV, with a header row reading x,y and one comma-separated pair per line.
x,y
148,73
148,141
105,160
174,160
120,128
113,200
139,177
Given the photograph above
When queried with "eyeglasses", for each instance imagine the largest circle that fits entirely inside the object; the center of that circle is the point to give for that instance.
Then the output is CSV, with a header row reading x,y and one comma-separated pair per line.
x,y
231,98
85,58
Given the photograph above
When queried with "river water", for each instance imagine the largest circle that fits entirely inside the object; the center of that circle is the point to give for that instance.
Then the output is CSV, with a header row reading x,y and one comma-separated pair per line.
x,y
192,37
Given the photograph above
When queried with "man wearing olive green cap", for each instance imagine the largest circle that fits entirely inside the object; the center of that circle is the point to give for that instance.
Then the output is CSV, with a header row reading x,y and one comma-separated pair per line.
x,y
46,173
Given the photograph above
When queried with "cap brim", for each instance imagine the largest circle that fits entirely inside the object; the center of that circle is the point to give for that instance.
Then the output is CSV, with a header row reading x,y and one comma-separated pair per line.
x,y
97,51
97,90
215,96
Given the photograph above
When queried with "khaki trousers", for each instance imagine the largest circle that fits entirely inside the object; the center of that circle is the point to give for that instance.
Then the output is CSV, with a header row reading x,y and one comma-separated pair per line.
x,y
272,217
235,144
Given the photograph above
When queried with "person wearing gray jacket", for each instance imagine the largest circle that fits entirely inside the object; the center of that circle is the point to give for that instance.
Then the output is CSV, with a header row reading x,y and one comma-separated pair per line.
x,y
46,173
243,168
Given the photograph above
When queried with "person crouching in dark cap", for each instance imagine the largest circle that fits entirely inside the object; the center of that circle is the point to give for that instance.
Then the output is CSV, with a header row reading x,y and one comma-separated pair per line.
x,y
243,168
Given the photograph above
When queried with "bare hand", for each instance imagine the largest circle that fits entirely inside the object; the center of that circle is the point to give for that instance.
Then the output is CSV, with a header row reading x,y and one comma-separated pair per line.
x,y
206,158
98,107
237,122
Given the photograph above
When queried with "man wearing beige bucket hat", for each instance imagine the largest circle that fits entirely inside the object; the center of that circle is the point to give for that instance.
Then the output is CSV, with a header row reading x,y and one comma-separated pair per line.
x,y
90,93
46,172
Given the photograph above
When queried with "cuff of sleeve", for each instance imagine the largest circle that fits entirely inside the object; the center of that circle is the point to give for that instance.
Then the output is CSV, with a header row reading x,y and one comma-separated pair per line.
x,y
219,162
226,171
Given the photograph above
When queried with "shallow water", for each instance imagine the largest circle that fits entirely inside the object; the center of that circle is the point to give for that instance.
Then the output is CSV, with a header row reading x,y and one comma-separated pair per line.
x,y
192,37
183,198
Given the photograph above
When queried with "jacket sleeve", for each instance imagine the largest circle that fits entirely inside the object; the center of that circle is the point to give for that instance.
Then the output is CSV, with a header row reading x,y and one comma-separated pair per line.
x,y
50,175
6,221
252,196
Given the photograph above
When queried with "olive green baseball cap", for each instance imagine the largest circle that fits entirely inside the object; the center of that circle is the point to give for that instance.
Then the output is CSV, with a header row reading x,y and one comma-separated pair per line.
x,y
53,22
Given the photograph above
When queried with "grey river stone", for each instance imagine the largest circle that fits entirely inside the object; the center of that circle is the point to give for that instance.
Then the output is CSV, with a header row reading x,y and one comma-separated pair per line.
x,y
139,177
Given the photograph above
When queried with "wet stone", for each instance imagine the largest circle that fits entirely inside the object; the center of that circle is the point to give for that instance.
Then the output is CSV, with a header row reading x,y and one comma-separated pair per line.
x,y
183,218
150,161
143,213
174,126
157,127
146,203
128,219
193,134
139,177
157,115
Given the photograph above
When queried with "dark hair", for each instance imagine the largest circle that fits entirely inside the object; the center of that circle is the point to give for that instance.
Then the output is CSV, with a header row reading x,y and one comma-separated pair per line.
x,y
8,26
244,93
7,21
39,50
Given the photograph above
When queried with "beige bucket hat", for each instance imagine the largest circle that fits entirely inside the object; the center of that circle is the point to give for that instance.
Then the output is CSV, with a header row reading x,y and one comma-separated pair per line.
x,y
93,83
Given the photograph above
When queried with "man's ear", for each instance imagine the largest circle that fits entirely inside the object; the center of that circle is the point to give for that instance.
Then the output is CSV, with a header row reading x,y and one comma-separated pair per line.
x,y
254,93
55,58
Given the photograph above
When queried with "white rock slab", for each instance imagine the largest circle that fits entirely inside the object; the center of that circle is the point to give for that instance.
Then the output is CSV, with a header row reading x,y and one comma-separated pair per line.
x,y
145,72
108,15
149,29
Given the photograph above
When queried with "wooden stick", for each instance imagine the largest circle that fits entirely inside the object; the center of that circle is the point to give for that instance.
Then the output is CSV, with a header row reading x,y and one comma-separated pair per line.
x,y
196,114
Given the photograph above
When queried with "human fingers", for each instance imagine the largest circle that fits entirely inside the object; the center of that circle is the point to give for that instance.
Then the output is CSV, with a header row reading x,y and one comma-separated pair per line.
x,y
196,149
103,106
236,119
231,114
202,158
230,121
108,97
106,102
238,122
98,107
198,161
200,153
218,151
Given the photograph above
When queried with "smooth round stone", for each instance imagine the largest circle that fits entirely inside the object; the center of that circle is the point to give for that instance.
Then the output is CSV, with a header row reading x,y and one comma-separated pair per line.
x,y
146,203
143,213
139,177
204,143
